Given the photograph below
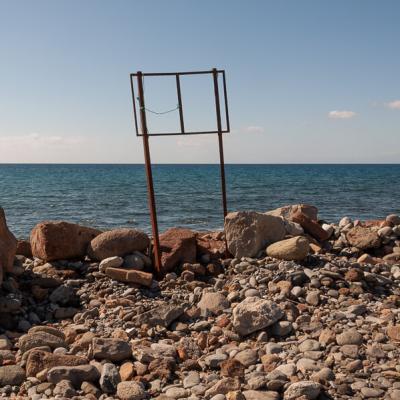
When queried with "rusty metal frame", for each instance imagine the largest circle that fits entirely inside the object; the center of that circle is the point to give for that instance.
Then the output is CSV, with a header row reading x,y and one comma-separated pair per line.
x,y
146,134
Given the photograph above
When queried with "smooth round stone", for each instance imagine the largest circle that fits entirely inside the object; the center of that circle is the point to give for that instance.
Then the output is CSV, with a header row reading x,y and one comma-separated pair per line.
x,y
273,348
371,392
309,345
252,293
176,392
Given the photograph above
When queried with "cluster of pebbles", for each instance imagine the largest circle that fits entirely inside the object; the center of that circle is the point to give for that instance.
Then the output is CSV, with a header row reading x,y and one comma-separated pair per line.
x,y
313,316
327,327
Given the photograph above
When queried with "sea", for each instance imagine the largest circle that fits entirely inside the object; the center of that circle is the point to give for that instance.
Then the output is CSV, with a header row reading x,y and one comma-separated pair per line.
x,y
109,196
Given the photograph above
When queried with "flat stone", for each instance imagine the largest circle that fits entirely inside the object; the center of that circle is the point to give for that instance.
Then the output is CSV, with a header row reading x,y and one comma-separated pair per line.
x,y
293,249
212,303
350,336
111,349
76,375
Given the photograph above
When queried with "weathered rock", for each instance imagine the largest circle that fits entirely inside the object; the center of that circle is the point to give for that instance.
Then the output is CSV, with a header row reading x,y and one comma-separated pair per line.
x,y
130,276
110,262
307,390
8,245
212,303
350,336
59,240
211,245
260,395
177,246
393,332
75,374
11,375
117,242
39,360
248,232
38,339
310,226
130,390
109,378
24,248
162,315
111,349
232,367
293,249
287,212
62,295
363,238
253,314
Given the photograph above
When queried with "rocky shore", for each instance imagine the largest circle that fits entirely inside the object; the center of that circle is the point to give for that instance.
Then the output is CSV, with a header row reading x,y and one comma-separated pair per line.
x,y
293,308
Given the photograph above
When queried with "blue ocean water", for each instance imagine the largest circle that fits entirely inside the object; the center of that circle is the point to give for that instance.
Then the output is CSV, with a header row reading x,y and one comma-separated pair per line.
x,y
108,196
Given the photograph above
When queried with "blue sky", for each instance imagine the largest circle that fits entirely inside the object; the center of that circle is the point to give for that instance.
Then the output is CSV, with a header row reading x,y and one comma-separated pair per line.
x,y
308,81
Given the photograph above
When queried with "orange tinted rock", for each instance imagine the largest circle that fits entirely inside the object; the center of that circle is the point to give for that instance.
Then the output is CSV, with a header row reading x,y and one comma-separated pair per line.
x,y
177,246
363,238
289,211
211,244
310,226
127,371
8,244
130,276
57,240
394,332
24,248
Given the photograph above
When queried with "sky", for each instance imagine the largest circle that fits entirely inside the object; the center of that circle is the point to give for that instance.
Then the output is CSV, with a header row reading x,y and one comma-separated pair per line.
x,y
308,81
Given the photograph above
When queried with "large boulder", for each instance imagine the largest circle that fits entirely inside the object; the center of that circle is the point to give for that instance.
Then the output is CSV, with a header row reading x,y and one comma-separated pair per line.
x,y
254,314
363,238
287,212
117,242
293,249
177,246
58,240
248,232
8,245
211,245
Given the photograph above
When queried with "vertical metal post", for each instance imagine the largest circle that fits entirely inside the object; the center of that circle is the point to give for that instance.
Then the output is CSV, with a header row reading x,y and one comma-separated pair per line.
x,y
178,91
150,188
220,142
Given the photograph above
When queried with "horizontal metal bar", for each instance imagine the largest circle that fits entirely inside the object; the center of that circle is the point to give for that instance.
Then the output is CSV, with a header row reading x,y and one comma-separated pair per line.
x,y
183,134
177,73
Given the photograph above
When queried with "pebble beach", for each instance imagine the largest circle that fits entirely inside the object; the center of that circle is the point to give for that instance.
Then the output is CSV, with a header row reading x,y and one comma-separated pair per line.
x,y
293,308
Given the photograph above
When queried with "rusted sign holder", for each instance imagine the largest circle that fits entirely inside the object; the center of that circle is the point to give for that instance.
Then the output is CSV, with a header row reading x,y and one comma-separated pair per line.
x,y
138,76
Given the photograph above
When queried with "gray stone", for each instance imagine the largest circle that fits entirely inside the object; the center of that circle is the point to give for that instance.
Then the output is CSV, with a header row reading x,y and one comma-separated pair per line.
x,y
350,336
309,389
254,314
76,375
109,378
212,303
111,349
130,390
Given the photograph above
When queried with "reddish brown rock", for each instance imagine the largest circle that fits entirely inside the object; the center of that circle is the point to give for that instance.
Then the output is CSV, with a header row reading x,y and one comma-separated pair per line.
x,y
289,211
177,246
24,248
57,240
394,332
310,226
232,367
211,244
130,276
363,238
118,242
8,245
39,360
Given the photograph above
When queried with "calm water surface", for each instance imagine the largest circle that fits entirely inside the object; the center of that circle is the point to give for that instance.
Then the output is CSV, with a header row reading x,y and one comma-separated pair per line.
x,y
108,196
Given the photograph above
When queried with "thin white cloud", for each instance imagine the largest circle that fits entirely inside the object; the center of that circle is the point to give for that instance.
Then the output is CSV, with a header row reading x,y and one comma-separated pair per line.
x,y
343,114
254,129
394,105
38,141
